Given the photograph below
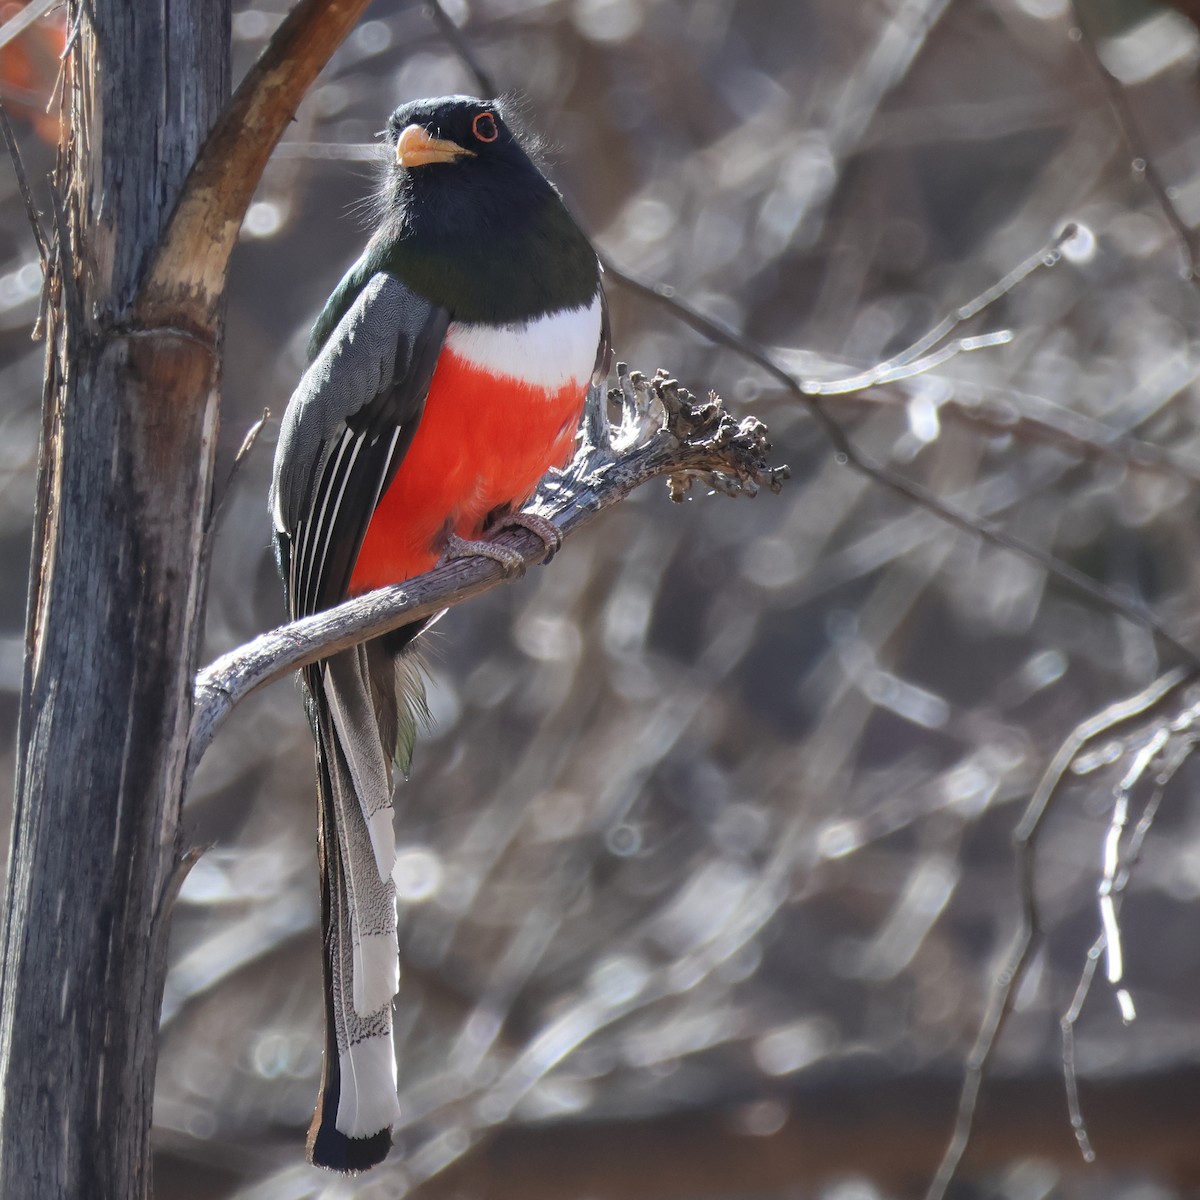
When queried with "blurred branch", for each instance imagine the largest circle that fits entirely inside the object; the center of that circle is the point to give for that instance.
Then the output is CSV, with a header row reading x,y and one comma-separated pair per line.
x,y
226,490
1143,162
1067,429
461,1118
16,25
927,352
900,44
1029,935
1171,745
14,153
1067,1033
459,44
662,431
808,392
186,280
901,37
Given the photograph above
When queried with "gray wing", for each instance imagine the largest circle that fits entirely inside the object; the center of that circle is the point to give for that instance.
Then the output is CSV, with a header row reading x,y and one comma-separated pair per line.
x,y
344,434
346,431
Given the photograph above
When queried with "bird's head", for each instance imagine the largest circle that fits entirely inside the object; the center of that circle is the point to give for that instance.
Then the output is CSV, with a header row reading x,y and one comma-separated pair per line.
x,y
453,129
469,221
455,159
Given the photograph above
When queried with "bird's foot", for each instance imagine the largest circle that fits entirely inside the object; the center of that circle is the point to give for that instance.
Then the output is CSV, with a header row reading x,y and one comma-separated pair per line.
x,y
546,529
512,561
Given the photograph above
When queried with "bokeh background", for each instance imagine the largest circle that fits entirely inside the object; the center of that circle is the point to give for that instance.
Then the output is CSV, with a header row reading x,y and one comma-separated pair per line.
x,y
706,874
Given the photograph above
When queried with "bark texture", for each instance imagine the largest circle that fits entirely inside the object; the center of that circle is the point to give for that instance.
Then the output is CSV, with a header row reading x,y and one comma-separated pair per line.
x,y
124,492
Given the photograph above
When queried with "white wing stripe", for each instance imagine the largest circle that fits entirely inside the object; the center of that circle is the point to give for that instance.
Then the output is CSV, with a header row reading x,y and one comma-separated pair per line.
x,y
317,535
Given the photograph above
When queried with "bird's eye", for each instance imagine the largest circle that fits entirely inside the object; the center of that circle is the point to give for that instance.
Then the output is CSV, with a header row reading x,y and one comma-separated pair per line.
x,y
484,127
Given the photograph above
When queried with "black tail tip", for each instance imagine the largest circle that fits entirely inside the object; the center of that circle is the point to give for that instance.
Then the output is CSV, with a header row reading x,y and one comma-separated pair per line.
x,y
336,1152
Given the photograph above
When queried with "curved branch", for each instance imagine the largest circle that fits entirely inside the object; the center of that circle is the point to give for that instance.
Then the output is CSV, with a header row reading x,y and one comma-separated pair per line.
x,y
1143,163
811,395
662,431
1029,933
185,282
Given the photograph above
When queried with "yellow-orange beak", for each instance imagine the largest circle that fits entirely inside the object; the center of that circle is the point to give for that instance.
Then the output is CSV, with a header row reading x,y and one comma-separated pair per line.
x,y
415,148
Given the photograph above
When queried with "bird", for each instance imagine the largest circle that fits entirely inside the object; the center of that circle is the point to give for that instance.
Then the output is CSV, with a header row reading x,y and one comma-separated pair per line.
x,y
447,374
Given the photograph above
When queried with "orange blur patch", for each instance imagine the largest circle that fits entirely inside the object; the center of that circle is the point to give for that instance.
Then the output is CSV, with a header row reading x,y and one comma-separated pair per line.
x,y
482,443
29,67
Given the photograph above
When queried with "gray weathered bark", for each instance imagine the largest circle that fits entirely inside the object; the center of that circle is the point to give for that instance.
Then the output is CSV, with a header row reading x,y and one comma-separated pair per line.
x,y
124,491
117,583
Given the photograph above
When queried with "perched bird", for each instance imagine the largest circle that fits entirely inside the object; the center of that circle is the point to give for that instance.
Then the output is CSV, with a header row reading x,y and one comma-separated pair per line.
x,y
447,374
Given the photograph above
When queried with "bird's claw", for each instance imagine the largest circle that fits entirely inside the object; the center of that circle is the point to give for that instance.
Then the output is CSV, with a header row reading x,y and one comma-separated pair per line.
x,y
512,561
549,533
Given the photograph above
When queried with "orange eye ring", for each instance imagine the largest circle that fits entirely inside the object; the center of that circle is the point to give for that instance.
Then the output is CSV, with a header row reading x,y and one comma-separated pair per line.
x,y
484,127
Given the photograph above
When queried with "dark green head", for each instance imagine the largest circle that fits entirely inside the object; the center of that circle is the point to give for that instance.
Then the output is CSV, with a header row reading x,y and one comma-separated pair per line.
x,y
469,222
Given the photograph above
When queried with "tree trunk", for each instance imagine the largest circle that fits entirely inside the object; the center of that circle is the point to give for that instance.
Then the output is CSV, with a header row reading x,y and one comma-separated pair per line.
x,y
124,493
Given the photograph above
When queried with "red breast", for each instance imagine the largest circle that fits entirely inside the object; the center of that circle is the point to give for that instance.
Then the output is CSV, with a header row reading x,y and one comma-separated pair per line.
x,y
485,439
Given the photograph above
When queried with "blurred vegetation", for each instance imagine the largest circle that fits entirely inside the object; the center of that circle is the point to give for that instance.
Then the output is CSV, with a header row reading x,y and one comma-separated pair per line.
x,y
709,849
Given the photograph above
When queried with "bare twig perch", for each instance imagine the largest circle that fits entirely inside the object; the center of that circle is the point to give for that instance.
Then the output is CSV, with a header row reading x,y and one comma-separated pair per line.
x,y
662,430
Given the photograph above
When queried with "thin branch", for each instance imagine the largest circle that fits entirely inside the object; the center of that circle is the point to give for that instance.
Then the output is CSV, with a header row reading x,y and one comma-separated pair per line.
x,y
71,308
15,26
807,391
1177,752
31,211
1067,1027
931,349
459,44
1070,431
1113,863
1029,933
223,493
899,366
185,282
687,442
1143,163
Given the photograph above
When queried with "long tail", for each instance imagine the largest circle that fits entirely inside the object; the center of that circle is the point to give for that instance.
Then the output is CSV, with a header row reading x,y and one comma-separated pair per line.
x,y
364,705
